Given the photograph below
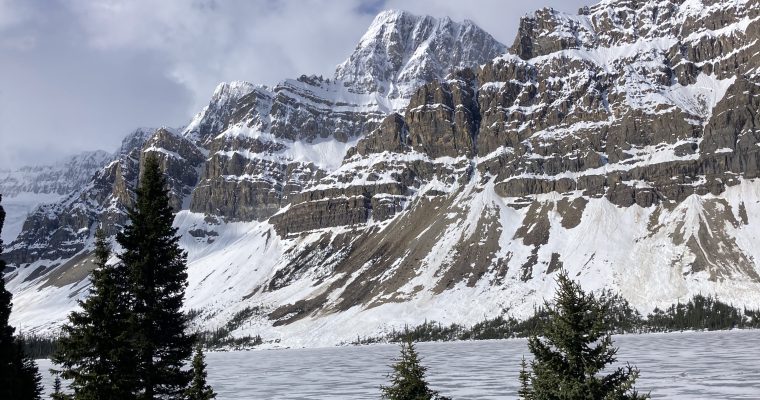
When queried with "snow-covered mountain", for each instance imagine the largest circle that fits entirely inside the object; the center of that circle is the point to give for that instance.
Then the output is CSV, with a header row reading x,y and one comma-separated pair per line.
x,y
401,51
439,175
26,188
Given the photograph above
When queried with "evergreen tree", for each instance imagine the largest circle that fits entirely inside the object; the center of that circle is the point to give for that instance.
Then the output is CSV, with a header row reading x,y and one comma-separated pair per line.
x,y
30,378
19,376
576,347
157,279
525,392
199,389
408,377
94,351
57,390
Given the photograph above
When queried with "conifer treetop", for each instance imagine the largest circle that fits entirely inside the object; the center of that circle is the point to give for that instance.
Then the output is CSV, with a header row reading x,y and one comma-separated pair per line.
x,y
199,389
408,377
576,346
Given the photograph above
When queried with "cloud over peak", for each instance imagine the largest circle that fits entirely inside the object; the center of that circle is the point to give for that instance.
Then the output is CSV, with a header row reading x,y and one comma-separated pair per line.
x,y
90,71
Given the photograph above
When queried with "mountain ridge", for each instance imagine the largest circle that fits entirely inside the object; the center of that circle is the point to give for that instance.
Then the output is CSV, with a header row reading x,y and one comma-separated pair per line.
x,y
618,144
25,188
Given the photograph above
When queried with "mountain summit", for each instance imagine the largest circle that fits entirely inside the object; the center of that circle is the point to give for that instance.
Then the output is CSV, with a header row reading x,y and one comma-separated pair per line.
x,y
401,51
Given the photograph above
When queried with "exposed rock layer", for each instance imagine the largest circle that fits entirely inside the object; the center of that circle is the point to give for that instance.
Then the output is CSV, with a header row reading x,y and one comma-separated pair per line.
x,y
620,144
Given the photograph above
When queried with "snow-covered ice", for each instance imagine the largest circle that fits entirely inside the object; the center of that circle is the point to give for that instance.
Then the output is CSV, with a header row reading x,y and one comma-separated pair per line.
x,y
690,365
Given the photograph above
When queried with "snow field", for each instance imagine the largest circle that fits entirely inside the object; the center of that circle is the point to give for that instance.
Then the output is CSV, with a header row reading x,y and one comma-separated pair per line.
x,y
688,366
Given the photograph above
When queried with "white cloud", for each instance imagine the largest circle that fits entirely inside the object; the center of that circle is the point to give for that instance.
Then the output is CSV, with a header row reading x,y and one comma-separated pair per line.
x,y
12,14
90,71
15,21
208,42
264,41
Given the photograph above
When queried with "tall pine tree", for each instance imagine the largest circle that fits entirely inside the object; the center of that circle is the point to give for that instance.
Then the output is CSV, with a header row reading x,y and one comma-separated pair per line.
x,y
576,347
199,389
19,376
157,276
94,351
408,377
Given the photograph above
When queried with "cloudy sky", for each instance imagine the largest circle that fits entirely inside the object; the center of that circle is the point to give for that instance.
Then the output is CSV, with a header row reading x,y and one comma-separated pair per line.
x,y
80,74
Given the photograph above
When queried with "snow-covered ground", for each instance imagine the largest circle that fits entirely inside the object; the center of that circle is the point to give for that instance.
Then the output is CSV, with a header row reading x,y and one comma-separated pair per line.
x,y
691,365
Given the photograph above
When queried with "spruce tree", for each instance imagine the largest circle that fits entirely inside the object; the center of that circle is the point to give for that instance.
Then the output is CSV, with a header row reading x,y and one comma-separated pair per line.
x,y
94,351
525,392
57,390
199,389
408,377
57,386
19,377
576,347
157,279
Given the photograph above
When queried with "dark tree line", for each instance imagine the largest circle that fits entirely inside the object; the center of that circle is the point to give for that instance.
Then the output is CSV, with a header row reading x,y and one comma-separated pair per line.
x,y
222,336
37,346
702,313
699,313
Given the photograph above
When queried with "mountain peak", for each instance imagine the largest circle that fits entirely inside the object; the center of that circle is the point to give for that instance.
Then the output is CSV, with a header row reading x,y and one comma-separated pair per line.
x,y
389,15
212,117
233,89
400,50
134,140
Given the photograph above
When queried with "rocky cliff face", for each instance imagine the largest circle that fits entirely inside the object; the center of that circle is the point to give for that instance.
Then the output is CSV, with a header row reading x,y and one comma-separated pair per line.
x,y
439,175
269,145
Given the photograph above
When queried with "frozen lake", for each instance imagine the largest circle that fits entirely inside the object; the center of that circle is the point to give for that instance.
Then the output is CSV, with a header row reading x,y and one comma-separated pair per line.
x,y
705,365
